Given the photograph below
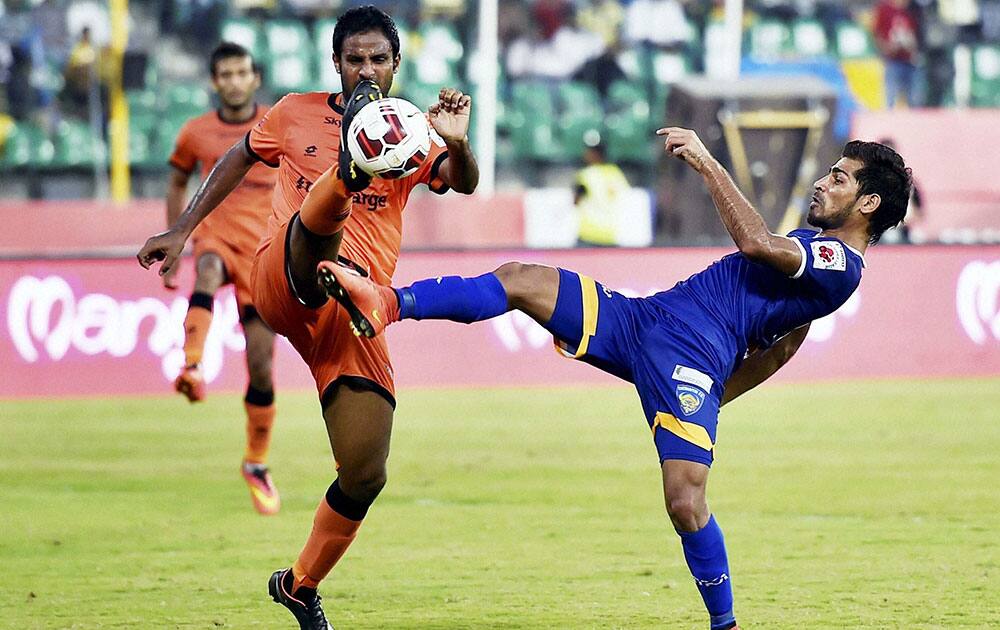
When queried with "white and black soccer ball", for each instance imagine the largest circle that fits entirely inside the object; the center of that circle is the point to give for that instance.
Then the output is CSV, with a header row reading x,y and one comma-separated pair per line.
x,y
389,138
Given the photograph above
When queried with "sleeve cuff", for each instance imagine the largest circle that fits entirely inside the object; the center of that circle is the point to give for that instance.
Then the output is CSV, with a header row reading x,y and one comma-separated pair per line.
x,y
802,250
179,167
443,187
255,155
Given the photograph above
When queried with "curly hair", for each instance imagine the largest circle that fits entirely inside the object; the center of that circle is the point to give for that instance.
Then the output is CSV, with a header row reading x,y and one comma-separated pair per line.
x,y
885,174
362,20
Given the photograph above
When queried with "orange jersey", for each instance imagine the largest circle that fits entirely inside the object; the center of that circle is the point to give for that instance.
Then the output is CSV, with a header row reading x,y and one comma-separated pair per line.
x,y
300,136
241,219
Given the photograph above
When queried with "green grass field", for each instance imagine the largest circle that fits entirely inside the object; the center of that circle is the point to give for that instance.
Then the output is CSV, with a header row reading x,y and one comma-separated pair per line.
x,y
859,505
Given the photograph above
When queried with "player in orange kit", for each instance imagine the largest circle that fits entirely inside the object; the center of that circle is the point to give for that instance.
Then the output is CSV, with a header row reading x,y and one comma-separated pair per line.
x,y
224,245
350,216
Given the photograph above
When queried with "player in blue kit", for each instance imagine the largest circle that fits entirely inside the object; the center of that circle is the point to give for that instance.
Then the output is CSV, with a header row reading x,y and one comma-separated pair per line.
x,y
697,346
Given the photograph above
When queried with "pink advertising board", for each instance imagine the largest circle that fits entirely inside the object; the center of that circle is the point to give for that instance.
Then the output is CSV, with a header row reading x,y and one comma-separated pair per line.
x,y
106,327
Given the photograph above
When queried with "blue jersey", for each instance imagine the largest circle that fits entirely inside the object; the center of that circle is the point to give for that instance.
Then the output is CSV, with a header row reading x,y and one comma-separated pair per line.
x,y
736,304
679,347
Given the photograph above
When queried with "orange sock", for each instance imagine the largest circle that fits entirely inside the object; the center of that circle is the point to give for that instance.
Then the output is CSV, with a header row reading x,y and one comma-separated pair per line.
x,y
196,325
260,419
327,206
331,535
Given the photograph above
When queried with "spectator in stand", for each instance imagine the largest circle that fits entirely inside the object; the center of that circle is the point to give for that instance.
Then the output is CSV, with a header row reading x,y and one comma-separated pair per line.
x,y
598,196
657,24
602,71
81,71
550,15
556,57
603,18
896,30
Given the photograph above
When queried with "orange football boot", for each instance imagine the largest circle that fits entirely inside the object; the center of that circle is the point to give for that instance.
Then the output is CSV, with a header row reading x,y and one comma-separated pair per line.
x,y
262,491
359,295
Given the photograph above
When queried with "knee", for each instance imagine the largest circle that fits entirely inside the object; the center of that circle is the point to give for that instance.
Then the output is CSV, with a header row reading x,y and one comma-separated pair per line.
x,y
517,280
211,269
688,512
363,485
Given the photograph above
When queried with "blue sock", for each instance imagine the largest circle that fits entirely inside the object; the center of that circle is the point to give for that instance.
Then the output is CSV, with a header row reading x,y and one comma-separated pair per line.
x,y
459,299
705,552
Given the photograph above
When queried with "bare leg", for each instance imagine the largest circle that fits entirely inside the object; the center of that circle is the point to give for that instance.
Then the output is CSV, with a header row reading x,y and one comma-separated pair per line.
x,y
210,273
532,289
359,424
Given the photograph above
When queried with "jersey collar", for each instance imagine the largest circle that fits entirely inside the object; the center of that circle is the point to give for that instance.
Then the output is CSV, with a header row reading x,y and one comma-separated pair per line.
x,y
334,105
218,113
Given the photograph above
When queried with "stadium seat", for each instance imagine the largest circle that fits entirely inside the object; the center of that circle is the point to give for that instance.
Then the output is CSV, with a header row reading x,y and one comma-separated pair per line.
x,y
286,37
853,41
985,88
670,67
289,73
327,79
74,144
628,123
768,39
289,56
141,101
532,123
186,100
245,33
28,146
141,131
809,38
435,51
580,112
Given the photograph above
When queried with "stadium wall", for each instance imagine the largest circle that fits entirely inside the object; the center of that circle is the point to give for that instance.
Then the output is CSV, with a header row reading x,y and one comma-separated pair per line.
x,y
106,327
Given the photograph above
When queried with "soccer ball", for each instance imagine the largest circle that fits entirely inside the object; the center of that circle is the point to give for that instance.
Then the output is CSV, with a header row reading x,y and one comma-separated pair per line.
x,y
389,138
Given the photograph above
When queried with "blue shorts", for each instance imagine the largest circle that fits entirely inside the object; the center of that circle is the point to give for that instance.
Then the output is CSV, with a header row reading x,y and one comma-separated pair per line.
x,y
637,340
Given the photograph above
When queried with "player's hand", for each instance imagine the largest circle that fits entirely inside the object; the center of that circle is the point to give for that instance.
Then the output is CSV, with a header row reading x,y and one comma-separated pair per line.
x,y
450,115
685,144
165,246
170,277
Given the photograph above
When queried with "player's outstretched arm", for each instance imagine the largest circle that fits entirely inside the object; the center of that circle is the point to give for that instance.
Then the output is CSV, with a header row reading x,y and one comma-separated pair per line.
x,y
227,173
743,222
450,119
760,365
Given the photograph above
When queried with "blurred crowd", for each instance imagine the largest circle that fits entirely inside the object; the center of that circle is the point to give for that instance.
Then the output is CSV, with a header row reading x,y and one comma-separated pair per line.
x,y
54,66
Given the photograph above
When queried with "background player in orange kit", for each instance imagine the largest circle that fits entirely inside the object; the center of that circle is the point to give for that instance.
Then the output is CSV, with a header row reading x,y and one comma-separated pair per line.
x,y
224,245
359,219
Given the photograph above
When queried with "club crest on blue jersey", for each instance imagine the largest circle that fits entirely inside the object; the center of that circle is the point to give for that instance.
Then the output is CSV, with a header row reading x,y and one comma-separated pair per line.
x,y
690,398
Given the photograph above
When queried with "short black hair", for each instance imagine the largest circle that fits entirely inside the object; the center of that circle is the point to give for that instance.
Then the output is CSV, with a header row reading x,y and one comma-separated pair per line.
x,y
885,174
228,50
362,20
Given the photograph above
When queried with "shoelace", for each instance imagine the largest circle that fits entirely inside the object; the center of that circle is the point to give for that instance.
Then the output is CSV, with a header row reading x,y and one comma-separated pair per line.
x,y
315,612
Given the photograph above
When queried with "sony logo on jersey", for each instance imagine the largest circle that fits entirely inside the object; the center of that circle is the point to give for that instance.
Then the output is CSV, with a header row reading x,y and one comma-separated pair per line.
x,y
828,255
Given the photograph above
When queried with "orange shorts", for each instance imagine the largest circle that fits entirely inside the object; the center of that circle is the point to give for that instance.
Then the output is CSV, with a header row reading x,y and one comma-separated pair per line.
x,y
237,263
322,336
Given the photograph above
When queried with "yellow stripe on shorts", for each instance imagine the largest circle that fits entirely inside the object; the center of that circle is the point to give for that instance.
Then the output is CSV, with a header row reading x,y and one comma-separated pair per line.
x,y
688,431
588,289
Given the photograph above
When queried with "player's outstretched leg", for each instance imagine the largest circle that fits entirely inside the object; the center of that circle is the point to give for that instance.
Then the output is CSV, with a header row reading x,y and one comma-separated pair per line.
x,y
354,178
532,289
371,306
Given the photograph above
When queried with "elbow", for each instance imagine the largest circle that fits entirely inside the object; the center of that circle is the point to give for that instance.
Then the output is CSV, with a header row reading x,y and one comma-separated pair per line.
x,y
754,248
467,187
